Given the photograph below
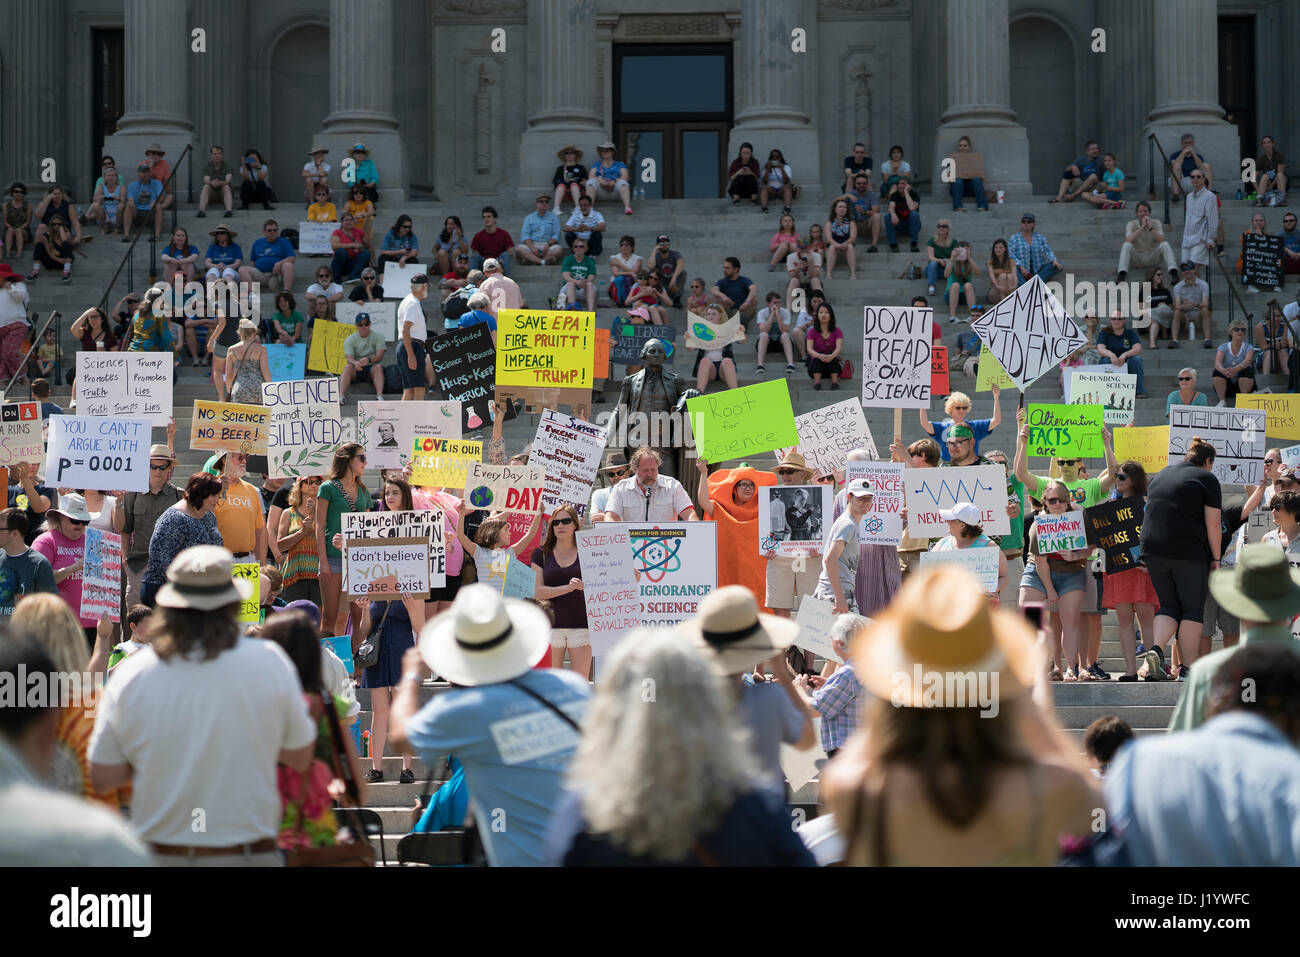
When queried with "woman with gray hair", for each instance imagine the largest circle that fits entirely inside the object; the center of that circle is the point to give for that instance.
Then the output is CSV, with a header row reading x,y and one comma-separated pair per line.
x,y
1186,393
664,774
478,312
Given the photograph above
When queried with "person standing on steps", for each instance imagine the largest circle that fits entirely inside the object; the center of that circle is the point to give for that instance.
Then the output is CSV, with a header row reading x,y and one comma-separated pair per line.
x,y
413,332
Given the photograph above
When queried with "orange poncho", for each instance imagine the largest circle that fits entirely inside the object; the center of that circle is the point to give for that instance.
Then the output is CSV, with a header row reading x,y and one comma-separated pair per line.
x,y
739,561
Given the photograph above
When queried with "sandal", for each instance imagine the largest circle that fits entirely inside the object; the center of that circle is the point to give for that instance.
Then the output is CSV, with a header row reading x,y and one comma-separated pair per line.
x,y
1069,675
1054,674
1053,200
1086,675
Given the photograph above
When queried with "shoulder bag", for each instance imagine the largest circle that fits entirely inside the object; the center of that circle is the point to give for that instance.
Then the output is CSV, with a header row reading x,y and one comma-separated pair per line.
x,y
368,652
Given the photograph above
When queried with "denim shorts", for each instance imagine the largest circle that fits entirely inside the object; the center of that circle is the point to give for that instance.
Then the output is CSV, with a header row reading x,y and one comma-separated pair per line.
x,y
1062,582
336,566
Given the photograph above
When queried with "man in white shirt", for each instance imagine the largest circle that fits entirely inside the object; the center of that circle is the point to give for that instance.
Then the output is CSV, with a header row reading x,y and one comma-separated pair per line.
x,y
1191,302
1201,224
774,326
315,173
585,223
413,333
323,294
502,291
647,496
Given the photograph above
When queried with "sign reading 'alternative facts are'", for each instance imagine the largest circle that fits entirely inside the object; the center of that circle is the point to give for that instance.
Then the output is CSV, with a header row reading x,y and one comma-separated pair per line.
x,y
1065,431
896,371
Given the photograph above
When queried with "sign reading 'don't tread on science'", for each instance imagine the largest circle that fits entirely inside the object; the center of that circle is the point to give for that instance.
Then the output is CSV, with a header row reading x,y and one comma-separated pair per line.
x,y
545,348
896,371
740,422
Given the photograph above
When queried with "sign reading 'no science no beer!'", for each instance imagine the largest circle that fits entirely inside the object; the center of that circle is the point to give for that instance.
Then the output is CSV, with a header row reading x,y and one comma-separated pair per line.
x,y
1029,332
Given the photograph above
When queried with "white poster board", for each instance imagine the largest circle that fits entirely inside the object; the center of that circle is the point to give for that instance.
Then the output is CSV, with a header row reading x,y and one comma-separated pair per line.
x,y
1115,392
306,426
896,357
1061,533
794,519
883,523
314,238
515,488
387,567
928,491
388,428
569,449
676,564
1236,434
99,453
427,525
1029,333
383,318
611,591
397,279
22,434
981,562
815,619
827,435
133,384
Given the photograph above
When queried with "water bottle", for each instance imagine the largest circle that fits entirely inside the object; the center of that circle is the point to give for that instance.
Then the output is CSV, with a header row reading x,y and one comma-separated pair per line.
x,y
365,743
1238,195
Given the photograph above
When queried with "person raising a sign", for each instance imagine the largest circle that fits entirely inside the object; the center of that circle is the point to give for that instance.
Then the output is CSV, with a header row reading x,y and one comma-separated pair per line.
x,y
1085,493
957,406
965,531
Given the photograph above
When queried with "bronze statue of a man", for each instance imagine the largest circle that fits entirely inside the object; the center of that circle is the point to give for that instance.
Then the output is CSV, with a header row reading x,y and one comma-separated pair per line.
x,y
651,410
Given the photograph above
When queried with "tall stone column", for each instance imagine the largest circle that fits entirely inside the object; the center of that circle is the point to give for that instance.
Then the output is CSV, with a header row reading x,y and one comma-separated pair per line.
x,y
564,103
220,80
1126,83
157,87
362,53
774,85
33,108
1186,56
978,45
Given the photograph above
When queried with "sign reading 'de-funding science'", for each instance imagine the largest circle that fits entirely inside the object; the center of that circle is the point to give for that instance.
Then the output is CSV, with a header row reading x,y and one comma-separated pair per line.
x,y
1282,411
929,491
442,463
21,434
229,427
91,452
425,525
569,449
135,384
545,348
896,371
827,435
1029,333
1236,434
1061,533
1115,392
387,567
743,422
1065,431
1117,527
306,426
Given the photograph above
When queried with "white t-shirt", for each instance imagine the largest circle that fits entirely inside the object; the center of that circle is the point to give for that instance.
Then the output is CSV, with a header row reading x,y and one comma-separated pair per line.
x,y
410,311
1291,311
631,263
333,289
668,499
1195,291
310,167
774,178
203,736
792,260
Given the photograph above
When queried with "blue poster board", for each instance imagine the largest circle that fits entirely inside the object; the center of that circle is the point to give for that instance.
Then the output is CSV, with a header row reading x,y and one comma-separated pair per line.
x,y
288,363
341,646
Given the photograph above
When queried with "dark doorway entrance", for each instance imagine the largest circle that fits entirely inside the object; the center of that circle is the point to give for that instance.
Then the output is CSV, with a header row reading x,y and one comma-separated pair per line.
x,y
108,94
673,108
1237,81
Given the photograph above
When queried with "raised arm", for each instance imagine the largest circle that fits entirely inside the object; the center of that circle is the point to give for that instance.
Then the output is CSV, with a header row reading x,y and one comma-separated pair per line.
x,y
996,420
702,492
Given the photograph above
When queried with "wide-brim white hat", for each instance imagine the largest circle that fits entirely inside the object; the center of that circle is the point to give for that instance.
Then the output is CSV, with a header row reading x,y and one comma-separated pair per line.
x,y
730,626
485,639
73,506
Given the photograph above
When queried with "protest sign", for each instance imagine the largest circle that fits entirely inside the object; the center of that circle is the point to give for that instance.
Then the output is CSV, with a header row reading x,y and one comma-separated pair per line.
x,y
464,363
1238,437
520,580
600,366
743,422
928,491
1061,533
1116,526
1115,392
392,567
676,564
100,453
1261,261
492,565
327,340
250,609
794,519
441,463
306,426
427,525
815,619
629,338
388,428
101,575
230,427
1290,456
990,374
883,523
1282,412
545,348
287,362
1258,524
980,562
21,434
397,278
133,384
314,238
382,313
516,488
341,646
1146,445
569,449
1028,332
827,435
1065,431
896,357
939,371
703,334
610,589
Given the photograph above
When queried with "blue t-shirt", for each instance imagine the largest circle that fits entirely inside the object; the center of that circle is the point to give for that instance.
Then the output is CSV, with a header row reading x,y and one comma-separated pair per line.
x,y
735,289
979,426
144,195
772,719
515,750
224,255
475,316
1291,239
266,255
612,171
394,241
1189,163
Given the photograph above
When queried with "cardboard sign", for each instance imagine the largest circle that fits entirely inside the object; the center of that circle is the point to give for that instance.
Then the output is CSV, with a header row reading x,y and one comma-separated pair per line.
x,y
287,362
545,348
1261,261
1061,533
383,317
570,450
794,519
939,384
397,279
426,525
1115,392
441,463
815,619
1065,431
392,567
980,562
610,589
883,523
1146,445
306,426
327,340
967,165
628,339
703,334
133,384
101,576
990,374
676,564
742,422
1029,332
1258,524
896,357
314,238
250,609
341,646
827,436
1116,527
1282,412
929,491
1238,437
91,452
387,429
230,427
21,434
464,366
1291,456
515,488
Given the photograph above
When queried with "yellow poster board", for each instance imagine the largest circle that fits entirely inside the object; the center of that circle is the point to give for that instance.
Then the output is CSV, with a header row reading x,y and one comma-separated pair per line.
x,y
250,609
1146,445
1283,412
545,348
327,340
443,463
229,427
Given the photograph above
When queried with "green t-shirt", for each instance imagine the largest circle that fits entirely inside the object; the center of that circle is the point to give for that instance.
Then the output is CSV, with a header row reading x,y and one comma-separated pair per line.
x,y
1194,703
1016,538
217,170
356,347
332,493
942,252
579,270
1085,493
289,324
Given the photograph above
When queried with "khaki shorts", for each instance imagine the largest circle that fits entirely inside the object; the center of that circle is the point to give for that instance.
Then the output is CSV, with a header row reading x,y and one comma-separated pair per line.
x,y
784,585
270,278
1228,623
569,638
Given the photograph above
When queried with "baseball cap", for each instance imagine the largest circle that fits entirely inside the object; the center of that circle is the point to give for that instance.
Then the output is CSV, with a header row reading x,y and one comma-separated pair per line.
x,y
961,512
860,488
1028,216
662,238
1186,266
491,264
420,280
460,256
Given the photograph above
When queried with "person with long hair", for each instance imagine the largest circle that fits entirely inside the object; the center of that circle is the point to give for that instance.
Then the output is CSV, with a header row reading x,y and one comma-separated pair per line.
x,y
247,366
742,176
108,199
452,242
938,252
1272,342
18,221
960,272
179,256
672,784
63,544
287,323
570,176
1057,579
717,363
296,534
400,244
91,328
825,344
1002,272
362,210
843,233
817,239
343,491
559,581
784,242
191,521
351,250
1130,592
775,178
954,781
53,250
255,181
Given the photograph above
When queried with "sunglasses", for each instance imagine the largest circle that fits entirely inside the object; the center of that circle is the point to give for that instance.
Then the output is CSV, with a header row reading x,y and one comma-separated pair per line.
x,y
1069,461
954,442
1184,378
1026,220
1121,476
159,468
361,458
1055,501
1271,461
561,521
1276,506
311,481
364,322
620,473
322,275
77,521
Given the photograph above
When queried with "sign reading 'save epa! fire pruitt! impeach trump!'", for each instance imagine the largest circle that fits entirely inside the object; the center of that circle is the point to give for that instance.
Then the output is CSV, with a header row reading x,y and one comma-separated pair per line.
x,y
545,348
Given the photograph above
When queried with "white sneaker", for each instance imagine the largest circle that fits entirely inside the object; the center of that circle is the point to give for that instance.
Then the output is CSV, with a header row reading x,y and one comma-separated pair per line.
x,y
1252,290
1221,403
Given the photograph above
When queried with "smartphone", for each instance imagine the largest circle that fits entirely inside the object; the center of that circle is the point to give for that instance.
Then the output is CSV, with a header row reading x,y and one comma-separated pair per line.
x,y
1034,614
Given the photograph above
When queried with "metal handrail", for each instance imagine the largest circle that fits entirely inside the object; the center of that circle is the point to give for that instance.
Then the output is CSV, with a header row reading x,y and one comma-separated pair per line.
x,y
1232,288
1154,143
36,339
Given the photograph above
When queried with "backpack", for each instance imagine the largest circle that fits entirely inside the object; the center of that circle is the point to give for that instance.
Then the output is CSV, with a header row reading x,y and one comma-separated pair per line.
x,y
455,306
